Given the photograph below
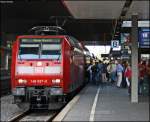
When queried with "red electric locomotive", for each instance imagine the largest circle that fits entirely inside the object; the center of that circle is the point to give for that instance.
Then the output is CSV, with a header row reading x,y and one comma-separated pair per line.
x,y
45,69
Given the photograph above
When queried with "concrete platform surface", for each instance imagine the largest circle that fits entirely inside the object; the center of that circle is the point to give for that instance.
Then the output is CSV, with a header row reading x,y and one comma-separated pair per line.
x,y
109,104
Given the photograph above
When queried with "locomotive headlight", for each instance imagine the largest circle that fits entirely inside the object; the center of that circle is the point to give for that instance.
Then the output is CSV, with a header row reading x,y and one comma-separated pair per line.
x,y
22,81
56,81
39,63
53,81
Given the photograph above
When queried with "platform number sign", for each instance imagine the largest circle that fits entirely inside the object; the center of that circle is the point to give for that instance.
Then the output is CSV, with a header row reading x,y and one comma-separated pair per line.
x,y
115,43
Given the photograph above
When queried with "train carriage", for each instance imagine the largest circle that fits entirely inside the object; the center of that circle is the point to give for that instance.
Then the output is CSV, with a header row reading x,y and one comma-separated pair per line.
x,y
45,67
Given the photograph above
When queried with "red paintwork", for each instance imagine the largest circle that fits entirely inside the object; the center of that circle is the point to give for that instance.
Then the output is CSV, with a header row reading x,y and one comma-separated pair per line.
x,y
67,62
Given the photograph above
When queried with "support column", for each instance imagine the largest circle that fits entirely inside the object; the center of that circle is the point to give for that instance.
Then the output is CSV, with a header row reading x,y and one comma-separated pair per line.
x,y
134,59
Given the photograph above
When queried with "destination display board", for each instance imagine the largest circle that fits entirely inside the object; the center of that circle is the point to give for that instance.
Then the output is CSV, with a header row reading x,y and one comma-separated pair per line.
x,y
41,40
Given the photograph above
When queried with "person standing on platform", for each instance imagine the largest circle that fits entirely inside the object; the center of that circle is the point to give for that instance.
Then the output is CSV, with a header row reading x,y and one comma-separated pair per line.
x,y
142,72
123,84
104,71
87,73
147,76
89,69
109,71
146,83
112,71
96,71
119,70
148,70
128,74
100,65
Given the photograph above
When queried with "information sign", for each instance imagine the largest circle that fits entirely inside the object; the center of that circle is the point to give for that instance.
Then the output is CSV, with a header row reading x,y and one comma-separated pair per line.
x,y
115,44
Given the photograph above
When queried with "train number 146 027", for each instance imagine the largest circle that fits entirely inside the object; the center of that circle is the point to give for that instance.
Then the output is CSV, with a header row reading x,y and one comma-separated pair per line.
x,y
38,81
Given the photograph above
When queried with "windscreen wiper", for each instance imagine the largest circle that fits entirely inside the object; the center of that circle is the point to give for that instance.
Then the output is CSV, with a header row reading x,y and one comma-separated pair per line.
x,y
58,57
20,56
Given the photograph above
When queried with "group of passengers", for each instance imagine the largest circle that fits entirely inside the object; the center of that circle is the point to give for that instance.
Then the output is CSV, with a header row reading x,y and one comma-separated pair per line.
x,y
97,72
117,72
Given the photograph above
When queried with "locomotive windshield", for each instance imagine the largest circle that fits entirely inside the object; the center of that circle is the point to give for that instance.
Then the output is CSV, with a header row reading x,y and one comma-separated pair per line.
x,y
40,49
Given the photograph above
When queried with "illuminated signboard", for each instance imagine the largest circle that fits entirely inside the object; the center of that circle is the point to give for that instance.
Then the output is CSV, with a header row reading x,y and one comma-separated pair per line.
x,y
145,23
144,35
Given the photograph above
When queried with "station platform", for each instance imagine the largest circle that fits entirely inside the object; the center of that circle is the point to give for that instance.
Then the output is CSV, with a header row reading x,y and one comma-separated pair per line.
x,y
107,103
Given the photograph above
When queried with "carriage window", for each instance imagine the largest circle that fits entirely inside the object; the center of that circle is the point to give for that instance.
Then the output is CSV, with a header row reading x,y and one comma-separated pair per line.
x,y
51,51
29,51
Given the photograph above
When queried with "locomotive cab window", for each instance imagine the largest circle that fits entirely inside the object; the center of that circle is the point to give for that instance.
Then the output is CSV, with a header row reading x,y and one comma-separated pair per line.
x,y
51,51
28,51
40,49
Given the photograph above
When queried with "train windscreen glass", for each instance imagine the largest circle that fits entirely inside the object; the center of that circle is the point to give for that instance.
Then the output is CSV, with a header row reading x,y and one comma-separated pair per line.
x,y
40,49
51,51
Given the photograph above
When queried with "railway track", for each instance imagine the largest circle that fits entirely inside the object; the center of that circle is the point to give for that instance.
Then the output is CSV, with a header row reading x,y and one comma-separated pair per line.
x,y
5,85
39,115
19,116
32,115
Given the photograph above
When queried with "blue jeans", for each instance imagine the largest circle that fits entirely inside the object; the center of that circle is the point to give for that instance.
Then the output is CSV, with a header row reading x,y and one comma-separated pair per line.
x,y
113,76
140,84
90,76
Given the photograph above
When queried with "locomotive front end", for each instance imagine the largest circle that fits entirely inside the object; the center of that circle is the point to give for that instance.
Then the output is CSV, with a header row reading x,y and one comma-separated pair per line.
x,y
37,76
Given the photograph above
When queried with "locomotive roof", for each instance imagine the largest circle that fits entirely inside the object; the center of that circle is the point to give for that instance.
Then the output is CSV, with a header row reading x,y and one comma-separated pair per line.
x,y
47,30
32,36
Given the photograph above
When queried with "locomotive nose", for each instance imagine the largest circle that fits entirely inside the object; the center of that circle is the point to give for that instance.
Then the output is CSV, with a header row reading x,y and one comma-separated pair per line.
x,y
37,68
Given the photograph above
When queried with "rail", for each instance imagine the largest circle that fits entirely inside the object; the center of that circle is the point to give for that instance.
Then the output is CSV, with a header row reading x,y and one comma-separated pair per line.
x,y
31,115
5,85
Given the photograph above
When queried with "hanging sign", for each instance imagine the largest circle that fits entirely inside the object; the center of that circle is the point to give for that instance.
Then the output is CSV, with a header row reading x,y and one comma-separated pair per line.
x,y
115,44
144,40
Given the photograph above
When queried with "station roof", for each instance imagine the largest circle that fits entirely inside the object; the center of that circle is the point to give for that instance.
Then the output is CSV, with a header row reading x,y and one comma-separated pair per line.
x,y
93,20
140,7
95,9
107,9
